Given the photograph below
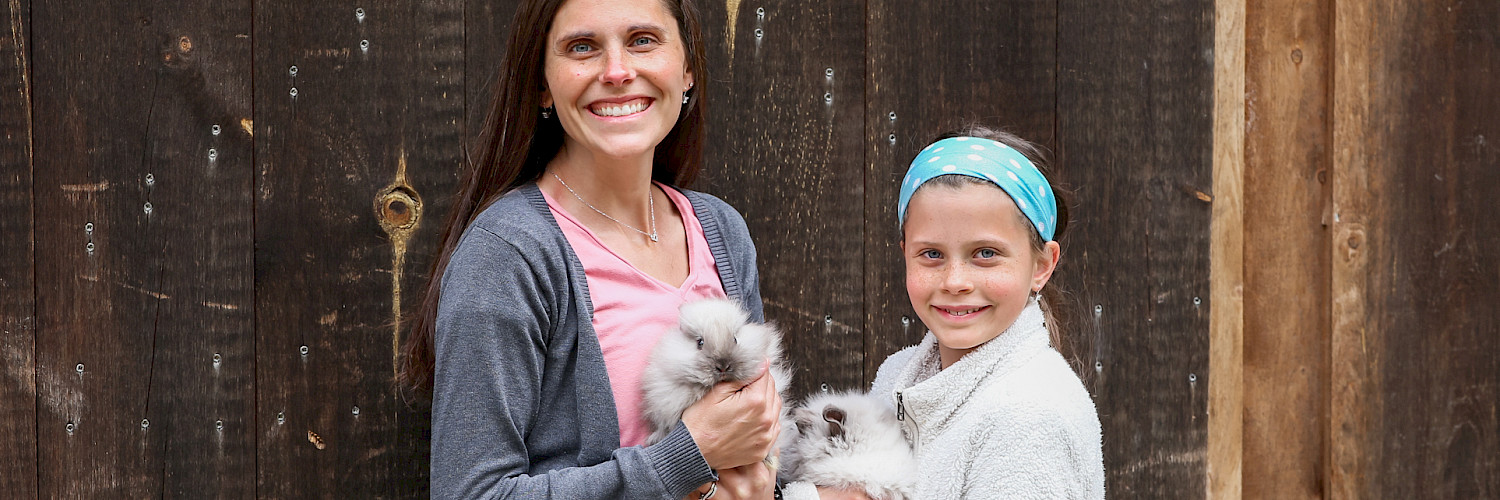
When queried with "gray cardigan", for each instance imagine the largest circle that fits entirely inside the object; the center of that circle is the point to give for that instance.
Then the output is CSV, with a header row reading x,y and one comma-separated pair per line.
x,y
521,403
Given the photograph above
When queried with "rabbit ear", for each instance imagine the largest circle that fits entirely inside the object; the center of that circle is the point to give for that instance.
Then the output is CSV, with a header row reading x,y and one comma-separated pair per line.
x,y
835,419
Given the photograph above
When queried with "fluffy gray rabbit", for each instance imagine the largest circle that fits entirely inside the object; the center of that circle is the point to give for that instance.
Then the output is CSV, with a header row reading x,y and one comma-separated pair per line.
x,y
714,341
850,440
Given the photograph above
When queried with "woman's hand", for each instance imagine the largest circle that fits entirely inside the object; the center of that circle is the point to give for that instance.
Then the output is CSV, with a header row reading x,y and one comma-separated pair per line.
x,y
748,482
736,424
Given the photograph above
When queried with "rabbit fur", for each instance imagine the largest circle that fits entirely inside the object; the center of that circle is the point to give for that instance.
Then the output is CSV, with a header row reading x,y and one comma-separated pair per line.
x,y
850,440
714,341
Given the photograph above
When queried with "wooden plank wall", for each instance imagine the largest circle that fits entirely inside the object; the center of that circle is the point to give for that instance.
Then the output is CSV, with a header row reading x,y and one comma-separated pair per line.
x,y
1226,403
787,151
156,352
1288,187
1414,232
357,149
18,464
1370,163
143,252
1135,133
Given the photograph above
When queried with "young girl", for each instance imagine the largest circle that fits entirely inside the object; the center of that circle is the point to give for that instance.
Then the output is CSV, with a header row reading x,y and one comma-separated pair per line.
x,y
990,409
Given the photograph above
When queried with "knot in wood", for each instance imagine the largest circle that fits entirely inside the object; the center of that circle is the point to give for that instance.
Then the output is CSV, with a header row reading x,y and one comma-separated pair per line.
x,y
398,209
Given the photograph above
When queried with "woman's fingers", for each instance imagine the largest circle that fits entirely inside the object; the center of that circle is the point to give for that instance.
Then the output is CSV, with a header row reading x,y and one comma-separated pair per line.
x,y
752,481
737,423
840,494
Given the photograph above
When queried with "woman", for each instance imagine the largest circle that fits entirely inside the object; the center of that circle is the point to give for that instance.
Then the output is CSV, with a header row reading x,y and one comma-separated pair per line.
x,y
566,257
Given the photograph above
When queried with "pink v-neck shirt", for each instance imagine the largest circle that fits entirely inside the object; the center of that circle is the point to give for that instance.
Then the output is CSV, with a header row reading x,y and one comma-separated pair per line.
x,y
633,309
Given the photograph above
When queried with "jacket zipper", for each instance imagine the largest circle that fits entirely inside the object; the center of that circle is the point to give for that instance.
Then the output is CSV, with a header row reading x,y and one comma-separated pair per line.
x,y
909,426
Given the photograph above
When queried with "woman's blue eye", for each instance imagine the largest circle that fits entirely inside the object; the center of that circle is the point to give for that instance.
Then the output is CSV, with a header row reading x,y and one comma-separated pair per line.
x,y
641,41
986,253
579,47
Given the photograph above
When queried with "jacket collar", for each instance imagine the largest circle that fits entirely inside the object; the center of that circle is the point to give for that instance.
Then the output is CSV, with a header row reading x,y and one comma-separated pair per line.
x,y
930,397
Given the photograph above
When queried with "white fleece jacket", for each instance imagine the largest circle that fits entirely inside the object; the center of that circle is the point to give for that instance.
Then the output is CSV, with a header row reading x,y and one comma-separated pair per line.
x,y
1008,420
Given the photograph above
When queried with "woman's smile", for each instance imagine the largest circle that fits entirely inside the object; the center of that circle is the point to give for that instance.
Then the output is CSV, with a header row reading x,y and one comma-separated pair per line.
x,y
617,108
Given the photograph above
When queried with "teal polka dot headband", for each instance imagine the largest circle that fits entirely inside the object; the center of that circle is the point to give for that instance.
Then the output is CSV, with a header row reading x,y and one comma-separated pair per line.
x,y
991,161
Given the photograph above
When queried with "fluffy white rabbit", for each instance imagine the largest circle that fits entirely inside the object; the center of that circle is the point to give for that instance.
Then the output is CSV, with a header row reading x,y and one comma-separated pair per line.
x,y
714,341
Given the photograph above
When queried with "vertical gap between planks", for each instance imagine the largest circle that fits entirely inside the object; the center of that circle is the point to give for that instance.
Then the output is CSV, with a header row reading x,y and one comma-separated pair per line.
x,y
1226,312
255,409
26,74
864,192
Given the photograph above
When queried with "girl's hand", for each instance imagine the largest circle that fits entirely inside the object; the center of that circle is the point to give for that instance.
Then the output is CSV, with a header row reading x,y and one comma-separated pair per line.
x,y
840,494
736,424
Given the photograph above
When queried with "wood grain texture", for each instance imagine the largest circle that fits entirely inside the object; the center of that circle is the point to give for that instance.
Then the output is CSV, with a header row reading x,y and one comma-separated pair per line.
x,y
350,171
486,26
786,149
143,250
1355,398
1227,262
1288,150
988,63
1135,98
18,450
1414,337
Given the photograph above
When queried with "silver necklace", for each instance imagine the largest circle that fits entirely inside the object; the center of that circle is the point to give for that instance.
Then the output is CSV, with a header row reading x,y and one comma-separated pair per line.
x,y
650,201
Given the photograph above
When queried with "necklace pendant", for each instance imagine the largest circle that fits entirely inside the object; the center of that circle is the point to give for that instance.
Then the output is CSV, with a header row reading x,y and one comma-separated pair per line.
x,y
653,238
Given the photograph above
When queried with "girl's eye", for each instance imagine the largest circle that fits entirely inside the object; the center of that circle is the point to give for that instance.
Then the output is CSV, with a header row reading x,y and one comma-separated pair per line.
x,y
986,253
931,254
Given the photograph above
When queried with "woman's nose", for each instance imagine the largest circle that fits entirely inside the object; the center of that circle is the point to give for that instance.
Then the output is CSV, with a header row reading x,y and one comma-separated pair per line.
x,y
617,68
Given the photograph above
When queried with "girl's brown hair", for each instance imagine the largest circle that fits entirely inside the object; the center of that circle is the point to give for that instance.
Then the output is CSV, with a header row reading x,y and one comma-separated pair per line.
x,y
517,143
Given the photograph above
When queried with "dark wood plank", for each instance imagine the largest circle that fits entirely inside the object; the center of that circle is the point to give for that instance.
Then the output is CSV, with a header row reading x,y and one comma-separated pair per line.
x,y
143,249
1287,197
375,120
991,63
1135,93
1414,362
785,148
486,26
18,459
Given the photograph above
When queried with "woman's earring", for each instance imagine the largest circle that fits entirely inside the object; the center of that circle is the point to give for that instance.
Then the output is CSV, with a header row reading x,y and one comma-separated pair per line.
x,y
546,113
684,98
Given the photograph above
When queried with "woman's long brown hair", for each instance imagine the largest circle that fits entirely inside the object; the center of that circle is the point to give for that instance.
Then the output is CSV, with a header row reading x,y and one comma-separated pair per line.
x,y
517,143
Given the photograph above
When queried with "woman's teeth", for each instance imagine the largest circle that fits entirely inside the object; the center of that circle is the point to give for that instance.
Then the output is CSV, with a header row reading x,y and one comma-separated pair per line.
x,y
619,110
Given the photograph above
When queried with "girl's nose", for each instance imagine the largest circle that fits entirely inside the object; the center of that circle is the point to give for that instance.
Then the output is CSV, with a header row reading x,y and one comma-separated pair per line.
x,y
956,279
617,69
